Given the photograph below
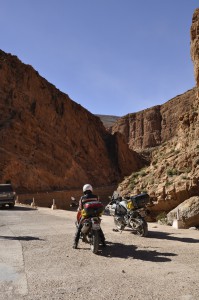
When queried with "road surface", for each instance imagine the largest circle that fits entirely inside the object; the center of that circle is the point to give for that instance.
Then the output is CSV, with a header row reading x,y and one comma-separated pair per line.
x,y
37,260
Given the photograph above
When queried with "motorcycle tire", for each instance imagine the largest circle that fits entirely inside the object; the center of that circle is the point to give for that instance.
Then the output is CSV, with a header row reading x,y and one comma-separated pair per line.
x,y
120,227
94,242
118,224
142,229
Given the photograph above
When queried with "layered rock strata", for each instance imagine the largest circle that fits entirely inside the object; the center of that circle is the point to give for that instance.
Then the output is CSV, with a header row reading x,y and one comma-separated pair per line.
x,y
49,142
153,126
195,46
173,175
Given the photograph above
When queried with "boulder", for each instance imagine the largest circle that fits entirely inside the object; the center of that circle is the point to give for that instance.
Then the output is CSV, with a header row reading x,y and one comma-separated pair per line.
x,y
188,212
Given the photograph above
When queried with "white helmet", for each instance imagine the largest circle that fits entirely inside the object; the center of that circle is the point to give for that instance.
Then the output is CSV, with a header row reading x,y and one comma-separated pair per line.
x,y
87,187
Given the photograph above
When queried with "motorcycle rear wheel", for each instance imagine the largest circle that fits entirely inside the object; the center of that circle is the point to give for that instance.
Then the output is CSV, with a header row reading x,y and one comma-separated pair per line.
x,y
141,229
94,242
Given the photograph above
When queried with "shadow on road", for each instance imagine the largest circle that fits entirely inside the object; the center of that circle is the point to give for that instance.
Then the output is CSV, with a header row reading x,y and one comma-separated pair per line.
x,y
168,236
131,251
21,238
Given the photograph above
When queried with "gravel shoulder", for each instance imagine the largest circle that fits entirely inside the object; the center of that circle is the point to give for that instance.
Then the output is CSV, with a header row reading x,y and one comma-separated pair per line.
x,y
39,262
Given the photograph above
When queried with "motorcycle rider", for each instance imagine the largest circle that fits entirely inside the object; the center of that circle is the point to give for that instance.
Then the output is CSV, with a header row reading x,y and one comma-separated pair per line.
x,y
87,197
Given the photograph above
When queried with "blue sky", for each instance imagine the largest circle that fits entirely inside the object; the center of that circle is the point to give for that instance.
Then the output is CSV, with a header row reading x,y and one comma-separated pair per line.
x,y
113,57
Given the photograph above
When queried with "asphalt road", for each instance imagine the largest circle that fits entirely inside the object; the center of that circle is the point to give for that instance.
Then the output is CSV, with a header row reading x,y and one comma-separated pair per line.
x,y
37,260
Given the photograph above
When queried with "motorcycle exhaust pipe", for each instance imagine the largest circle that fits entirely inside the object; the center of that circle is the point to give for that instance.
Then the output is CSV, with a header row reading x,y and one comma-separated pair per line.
x,y
85,228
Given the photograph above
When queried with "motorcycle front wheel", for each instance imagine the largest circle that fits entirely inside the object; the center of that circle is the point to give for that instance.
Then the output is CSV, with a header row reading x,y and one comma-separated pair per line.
x,y
94,241
118,223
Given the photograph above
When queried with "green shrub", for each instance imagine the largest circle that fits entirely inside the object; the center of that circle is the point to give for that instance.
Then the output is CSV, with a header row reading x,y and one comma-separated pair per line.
x,y
134,175
131,186
172,172
143,173
154,162
168,183
162,217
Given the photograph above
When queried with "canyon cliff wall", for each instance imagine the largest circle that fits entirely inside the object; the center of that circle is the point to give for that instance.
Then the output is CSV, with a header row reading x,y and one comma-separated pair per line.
x,y
173,174
156,125
49,142
195,47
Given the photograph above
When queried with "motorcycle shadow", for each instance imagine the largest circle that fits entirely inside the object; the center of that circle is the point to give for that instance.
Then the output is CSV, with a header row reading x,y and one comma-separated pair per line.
x,y
171,236
130,251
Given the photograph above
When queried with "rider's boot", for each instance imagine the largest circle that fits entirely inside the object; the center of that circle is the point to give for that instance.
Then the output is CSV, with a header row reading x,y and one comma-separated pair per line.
x,y
77,236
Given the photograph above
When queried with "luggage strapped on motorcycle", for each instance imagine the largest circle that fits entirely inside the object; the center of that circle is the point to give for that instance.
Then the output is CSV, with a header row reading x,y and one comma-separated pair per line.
x,y
140,200
92,209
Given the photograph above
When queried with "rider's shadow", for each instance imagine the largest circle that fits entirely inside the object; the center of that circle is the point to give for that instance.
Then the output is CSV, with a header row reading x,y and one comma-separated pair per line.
x,y
131,251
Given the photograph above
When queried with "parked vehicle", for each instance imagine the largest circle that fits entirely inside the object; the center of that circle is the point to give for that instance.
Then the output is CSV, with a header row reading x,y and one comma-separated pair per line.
x,y
130,212
73,203
7,195
91,228
90,232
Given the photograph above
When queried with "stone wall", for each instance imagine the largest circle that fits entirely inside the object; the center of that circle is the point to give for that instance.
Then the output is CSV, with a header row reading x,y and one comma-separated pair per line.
x,y
63,198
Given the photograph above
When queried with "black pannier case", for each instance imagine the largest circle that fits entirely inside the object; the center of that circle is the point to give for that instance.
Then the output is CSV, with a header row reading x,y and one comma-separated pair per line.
x,y
140,200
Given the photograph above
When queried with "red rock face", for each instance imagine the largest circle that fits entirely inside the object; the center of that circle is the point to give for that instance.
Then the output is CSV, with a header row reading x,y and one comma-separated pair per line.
x,y
173,175
47,141
158,124
154,126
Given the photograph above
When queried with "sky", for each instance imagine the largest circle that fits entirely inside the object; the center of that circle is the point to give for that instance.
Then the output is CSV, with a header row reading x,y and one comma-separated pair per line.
x,y
113,57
